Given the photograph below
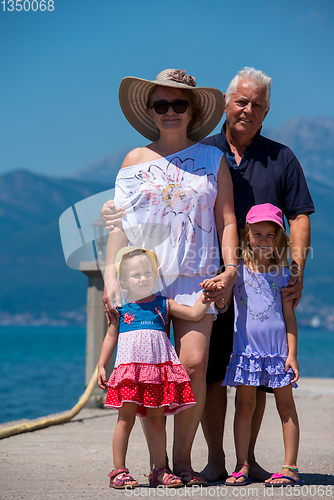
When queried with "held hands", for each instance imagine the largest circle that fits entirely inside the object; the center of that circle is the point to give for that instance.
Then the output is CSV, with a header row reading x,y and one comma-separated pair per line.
x,y
291,362
222,292
213,289
209,285
212,292
111,215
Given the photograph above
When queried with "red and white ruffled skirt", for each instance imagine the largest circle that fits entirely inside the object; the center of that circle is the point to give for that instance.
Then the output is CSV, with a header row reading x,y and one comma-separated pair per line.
x,y
148,372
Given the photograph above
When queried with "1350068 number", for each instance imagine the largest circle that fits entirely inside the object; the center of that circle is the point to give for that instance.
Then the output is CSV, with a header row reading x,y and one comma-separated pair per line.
x,y
26,5
309,491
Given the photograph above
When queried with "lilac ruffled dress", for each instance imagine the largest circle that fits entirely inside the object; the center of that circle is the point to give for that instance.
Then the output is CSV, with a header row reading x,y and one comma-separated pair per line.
x,y
260,344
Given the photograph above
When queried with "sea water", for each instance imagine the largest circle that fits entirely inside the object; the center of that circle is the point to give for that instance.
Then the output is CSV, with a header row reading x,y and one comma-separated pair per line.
x,y
42,369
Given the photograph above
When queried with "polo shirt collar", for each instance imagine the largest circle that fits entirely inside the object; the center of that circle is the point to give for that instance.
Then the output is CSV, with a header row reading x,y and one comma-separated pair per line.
x,y
224,144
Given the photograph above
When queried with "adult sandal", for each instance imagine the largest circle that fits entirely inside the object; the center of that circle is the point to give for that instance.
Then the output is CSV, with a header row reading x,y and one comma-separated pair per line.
x,y
196,478
119,482
151,471
248,480
166,481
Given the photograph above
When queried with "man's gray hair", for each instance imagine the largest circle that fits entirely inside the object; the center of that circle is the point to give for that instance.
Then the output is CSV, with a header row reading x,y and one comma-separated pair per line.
x,y
259,77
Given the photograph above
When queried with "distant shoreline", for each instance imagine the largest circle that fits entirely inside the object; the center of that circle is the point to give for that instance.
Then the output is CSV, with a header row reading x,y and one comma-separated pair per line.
x,y
54,323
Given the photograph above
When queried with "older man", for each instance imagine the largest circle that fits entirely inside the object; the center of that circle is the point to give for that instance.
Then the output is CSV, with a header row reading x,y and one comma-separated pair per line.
x,y
262,171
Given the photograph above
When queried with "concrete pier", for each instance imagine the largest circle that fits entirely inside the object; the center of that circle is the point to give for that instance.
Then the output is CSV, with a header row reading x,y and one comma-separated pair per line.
x,y
72,461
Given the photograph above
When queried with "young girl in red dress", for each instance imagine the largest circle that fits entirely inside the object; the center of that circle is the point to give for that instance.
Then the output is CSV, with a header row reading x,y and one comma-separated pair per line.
x,y
148,378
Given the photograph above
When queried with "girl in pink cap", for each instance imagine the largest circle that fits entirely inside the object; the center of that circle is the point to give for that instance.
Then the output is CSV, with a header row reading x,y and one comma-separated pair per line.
x,y
265,339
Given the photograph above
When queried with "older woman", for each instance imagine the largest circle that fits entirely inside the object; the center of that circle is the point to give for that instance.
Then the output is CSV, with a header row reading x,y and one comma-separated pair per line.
x,y
177,195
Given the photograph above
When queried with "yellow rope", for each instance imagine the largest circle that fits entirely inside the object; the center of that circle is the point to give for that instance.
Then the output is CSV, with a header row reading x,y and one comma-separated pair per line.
x,y
47,421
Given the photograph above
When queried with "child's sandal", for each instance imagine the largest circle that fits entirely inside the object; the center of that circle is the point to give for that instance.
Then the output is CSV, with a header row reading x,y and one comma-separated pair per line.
x,y
119,482
237,475
294,482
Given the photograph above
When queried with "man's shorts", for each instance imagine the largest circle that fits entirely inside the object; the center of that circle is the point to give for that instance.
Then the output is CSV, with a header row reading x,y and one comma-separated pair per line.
x,y
221,346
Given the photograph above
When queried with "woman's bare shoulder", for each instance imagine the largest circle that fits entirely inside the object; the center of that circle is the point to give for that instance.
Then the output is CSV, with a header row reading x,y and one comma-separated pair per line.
x,y
137,156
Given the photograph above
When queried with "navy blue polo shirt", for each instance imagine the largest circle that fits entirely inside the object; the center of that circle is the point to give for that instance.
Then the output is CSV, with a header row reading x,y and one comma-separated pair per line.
x,y
269,172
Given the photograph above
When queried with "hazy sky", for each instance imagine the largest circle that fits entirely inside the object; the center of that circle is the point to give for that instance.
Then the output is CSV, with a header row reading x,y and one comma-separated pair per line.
x,y
60,70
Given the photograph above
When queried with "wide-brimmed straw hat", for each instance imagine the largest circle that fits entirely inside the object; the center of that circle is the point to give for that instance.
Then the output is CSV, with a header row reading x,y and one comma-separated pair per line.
x,y
134,92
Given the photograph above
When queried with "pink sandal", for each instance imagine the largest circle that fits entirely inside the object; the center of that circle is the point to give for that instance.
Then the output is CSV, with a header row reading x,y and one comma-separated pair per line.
x,y
119,482
167,480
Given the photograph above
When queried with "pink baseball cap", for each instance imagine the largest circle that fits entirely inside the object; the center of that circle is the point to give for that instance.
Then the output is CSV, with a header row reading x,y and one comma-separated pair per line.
x,y
265,212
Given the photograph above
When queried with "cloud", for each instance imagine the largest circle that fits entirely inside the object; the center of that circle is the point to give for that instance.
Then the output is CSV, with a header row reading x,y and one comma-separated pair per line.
x,y
309,17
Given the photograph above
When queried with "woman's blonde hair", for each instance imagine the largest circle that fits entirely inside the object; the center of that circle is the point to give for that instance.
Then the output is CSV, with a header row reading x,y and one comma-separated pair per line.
x,y
280,254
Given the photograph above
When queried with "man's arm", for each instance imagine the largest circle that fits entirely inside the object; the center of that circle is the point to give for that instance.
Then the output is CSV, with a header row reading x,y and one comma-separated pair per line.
x,y
300,236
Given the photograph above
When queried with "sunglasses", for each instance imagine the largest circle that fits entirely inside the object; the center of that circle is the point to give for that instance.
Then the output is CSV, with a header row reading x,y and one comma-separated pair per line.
x,y
161,107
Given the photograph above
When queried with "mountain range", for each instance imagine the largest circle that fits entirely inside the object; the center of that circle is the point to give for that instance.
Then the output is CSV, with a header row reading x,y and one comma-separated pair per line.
x,y
38,288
